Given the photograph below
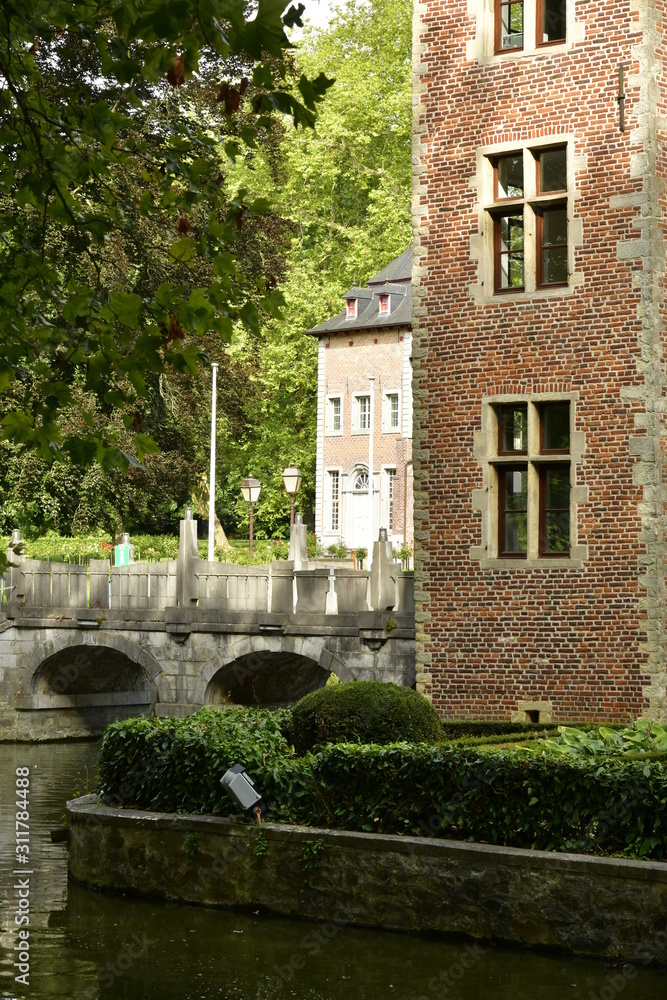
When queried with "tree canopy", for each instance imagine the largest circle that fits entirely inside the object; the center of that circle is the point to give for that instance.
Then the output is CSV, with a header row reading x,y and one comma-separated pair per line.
x,y
119,244
346,187
159,212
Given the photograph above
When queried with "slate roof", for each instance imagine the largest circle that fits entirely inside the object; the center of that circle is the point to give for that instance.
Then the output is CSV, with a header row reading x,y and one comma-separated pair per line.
x,y
394,280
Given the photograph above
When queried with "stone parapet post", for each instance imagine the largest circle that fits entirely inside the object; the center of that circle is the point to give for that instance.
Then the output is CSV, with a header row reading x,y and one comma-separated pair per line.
x,y
384,575
187,590
298,543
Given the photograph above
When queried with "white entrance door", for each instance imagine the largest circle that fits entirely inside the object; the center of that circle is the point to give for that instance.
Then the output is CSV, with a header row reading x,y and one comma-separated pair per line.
x,y
360,522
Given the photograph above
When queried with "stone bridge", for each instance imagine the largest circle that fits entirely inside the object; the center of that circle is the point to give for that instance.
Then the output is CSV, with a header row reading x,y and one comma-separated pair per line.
x,y
81,646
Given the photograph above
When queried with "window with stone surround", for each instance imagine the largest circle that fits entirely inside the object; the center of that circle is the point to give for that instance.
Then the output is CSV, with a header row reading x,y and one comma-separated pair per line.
x,y
506,30
390,412
527,213
361,414
334,415
530,497
334,500
517,21
546,427
390,475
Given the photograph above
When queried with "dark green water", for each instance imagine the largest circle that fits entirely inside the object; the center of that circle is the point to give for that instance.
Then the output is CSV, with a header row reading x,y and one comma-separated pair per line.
x,y
86,945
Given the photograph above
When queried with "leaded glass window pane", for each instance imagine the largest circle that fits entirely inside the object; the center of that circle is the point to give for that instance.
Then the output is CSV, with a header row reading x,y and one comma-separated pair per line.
x,y
554,246
511,24
334,481
509,173
393,410
516,510
335,414
513,428
364,403
510,229
552,170
553,20
391,478
556,427
556,501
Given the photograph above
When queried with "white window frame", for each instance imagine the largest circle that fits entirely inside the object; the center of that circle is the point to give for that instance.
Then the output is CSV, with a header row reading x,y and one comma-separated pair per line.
x,y
387,311
333,504
386,412
356,413
329,428
351,308
389,474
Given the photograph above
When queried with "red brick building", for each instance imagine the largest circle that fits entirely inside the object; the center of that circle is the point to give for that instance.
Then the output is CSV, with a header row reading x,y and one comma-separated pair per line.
x,y
364,383
538,339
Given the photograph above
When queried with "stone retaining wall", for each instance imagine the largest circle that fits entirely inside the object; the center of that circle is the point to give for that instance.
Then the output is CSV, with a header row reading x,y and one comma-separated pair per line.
x,y
576,903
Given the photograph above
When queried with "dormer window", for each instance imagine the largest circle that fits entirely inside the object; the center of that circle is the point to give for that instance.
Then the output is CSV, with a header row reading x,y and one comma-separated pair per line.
x,y
351,309
384,305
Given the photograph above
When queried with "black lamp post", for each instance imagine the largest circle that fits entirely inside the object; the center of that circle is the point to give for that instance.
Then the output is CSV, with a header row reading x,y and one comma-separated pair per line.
x,y
291,482
250,488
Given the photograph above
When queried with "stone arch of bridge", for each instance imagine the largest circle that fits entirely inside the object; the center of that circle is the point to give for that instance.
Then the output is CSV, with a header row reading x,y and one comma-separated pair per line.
x,y
76,664
267,670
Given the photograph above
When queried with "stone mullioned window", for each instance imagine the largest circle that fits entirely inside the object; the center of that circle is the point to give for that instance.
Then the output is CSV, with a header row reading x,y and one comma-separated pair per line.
x,y
528,230
529,451
510,29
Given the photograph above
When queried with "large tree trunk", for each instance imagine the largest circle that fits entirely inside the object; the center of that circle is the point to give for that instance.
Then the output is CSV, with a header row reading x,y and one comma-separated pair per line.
x,y
200,505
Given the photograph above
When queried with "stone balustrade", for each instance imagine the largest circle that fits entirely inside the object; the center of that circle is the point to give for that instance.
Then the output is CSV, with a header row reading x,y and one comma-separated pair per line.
x,y
291,587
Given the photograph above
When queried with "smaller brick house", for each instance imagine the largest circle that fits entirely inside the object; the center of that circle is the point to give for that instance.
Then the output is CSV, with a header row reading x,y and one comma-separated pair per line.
x,y
364,408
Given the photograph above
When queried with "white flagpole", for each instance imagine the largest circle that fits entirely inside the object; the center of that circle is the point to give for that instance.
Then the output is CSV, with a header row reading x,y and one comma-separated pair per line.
x,y
211,481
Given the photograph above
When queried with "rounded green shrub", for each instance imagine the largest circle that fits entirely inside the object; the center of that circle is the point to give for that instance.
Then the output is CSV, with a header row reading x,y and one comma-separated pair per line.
x,y
362,712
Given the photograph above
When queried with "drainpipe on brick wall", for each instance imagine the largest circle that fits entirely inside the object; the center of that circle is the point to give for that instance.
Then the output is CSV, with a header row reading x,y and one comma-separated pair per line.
x,y
405,502
371,417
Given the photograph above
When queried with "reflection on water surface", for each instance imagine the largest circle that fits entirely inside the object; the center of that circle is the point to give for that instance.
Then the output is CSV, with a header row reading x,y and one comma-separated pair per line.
x,y
86,945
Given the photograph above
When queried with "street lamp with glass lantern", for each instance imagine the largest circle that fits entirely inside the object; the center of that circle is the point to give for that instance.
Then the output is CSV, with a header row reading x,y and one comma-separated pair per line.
x,y
291,482
250,488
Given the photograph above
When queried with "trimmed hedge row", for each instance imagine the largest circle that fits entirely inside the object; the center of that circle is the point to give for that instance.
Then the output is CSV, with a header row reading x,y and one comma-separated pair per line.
x,y
175,765
505,797
501,796
454,729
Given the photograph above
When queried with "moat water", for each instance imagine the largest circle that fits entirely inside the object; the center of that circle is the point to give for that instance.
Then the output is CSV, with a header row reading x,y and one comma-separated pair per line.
x,y
87,945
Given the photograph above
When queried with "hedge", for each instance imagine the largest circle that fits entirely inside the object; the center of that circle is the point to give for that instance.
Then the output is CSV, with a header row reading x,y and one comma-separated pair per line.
x,y
365,712
454,729
175,765
501,796
152,548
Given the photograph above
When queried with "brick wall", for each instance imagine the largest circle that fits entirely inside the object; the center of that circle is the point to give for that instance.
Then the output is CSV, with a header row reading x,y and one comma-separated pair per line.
x,y
584,638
